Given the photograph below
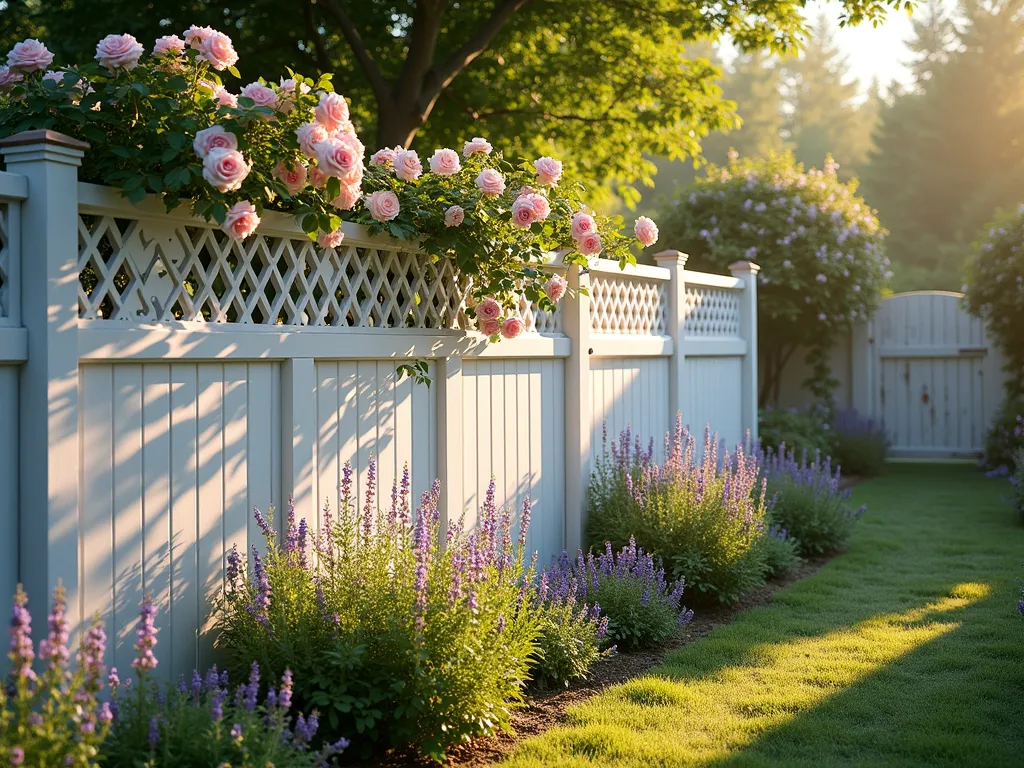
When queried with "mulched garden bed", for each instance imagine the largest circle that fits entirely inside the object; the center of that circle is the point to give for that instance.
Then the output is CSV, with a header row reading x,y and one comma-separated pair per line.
x,y
545,709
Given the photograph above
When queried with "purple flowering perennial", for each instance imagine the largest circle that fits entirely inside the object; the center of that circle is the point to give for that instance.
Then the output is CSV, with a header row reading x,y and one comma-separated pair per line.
x,y
145,637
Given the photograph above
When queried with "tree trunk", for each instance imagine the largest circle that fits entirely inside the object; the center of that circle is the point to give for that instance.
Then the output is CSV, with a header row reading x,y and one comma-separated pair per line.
x,y
397,127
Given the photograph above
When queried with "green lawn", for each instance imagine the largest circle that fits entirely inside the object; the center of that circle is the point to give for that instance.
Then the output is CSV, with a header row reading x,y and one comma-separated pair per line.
x,y
905,651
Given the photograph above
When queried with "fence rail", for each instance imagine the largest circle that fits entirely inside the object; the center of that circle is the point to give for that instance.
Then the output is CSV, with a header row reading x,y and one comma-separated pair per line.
x,y
175,379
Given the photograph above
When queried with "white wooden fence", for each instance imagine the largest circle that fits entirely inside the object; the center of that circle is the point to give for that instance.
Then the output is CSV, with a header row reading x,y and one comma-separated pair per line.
x,y
157,381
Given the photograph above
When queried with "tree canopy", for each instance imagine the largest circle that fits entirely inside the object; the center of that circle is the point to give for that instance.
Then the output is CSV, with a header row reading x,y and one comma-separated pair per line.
x,y
603,84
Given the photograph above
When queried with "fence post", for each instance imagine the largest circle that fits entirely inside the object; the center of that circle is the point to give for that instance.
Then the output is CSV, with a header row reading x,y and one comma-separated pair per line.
x,y
298,437
675,263
450,443
48,384
578,412
747,271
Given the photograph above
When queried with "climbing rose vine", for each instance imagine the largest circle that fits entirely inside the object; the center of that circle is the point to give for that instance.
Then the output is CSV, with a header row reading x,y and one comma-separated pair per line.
x,y
165,123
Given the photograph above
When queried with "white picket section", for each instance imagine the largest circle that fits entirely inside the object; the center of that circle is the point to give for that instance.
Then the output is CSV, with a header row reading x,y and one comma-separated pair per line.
x,y
158,381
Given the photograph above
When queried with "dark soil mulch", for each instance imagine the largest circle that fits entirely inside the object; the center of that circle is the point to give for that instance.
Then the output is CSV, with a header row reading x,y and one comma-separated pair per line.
x,y
545,709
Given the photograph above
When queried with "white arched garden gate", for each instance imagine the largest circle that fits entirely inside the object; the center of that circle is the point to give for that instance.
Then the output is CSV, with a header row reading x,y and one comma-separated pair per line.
x,y
933,378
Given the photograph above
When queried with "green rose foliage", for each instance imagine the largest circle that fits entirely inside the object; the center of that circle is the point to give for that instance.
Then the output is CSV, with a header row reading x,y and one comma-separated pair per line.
x,y
819,246
995,291
141,123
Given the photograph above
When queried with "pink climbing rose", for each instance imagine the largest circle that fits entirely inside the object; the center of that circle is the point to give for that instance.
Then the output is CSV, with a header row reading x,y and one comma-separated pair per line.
x,y
589,244
549,171
241,220
214,137
309,135
115,52
341,156
29,56
512,327
488,309
168,45
330,239
646,231
217,49
225,169
490,182
454,216
383,157
476,145
383,205
583,224
347,197
261,95
555,288
196,35
293,177
445,162
332,111
407,165
489,327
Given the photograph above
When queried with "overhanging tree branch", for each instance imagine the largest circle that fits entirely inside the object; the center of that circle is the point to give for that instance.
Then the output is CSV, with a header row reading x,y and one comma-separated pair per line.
x,y
320,52
359,49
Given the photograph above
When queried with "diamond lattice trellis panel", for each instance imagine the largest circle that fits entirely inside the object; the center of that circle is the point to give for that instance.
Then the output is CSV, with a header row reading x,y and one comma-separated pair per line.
x,y
628,305
5,263
537,320
164,270
712,312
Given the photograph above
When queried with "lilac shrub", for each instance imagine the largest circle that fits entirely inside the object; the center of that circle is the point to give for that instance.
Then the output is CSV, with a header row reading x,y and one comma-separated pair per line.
x,y
703,519
51,714
397,630
639,605
203,720
806,500
859,444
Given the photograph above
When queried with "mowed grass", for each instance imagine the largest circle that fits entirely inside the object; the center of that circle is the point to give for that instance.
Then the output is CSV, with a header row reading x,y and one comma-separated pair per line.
x,y
905,651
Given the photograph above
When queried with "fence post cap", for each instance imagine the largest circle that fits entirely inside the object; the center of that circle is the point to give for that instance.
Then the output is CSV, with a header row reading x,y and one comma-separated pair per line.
x,y
745,266
671,255
43,136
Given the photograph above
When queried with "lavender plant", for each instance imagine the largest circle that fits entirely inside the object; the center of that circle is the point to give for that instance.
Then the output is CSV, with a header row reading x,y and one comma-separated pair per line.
x,y
573,636
52,716
807,502
639,605
202,721
703,519
859,444
396,630
781,552
1004,438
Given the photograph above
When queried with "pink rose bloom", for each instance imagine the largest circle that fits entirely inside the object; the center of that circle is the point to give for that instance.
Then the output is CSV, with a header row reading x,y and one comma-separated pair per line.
x,y
523,211
646,231
261,95
221,96
119,52
549,171
168,45
383,205
589,244
341,156
241,220
214,137
476,145
407,165
293,178
332,111
488,309
512,327
195,36
317,178
347,198
288,88
445,162
225,169
555,288
582,225
489,327
330,239
383,157
57,77
491,182
8,78
309,135
454,216
217,49
539,203
29,56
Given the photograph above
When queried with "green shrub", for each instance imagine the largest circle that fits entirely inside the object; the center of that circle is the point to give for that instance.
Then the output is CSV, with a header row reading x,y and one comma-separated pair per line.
x,y
859,445
573,638
393,635
781,552
807,502
703,521
799,430
1004,437
1017,482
